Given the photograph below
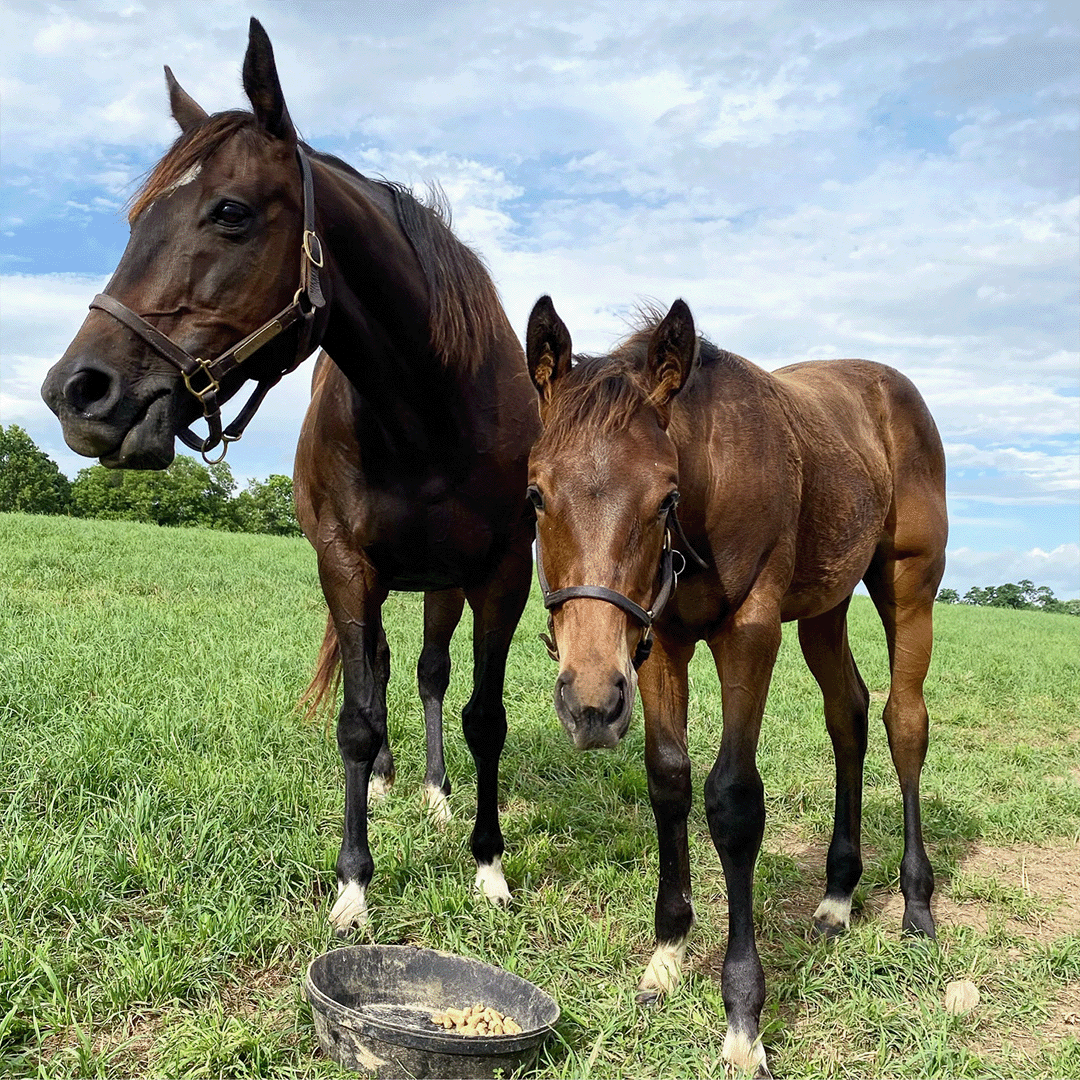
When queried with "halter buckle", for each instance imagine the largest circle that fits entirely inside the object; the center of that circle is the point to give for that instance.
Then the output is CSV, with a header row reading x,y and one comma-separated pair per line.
x,y
212,385
310,236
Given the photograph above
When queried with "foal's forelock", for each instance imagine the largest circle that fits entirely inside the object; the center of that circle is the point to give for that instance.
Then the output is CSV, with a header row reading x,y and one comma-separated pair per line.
x,y
600,395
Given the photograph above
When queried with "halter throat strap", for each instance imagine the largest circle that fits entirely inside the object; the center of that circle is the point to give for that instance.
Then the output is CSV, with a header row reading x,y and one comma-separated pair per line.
x,y
203,377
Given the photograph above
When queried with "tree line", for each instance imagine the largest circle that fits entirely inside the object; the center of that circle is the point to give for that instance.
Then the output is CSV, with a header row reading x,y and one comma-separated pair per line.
x,y
186,493
1026,596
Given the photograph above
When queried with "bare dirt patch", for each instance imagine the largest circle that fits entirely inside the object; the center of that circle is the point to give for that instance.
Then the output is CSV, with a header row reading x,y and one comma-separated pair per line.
x,y
1048,876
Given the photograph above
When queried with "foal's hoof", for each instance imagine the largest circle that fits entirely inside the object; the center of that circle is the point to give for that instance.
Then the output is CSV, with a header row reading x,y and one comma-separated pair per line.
x,y
650,999
919,923
833,916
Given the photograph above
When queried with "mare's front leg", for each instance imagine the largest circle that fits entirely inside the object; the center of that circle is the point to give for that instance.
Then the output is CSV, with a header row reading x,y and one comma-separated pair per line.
x,y
663,683
497,607
745,651
442,613
355,598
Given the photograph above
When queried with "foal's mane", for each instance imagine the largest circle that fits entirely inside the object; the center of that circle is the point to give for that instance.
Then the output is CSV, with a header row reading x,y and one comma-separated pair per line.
x,y
605,392
466,315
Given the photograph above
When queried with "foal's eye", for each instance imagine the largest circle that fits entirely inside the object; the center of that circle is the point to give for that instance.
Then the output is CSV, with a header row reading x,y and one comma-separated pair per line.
x,y
534,496
231,214
669,502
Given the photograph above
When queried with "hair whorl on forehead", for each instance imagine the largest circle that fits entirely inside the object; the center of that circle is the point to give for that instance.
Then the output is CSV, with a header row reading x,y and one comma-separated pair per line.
x,y
191,149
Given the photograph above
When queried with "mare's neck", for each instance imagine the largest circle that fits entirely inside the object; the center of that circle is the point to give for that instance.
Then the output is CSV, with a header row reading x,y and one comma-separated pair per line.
x,y
378,325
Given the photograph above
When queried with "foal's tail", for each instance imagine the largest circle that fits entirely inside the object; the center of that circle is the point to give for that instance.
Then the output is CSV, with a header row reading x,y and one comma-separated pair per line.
x,y
327,677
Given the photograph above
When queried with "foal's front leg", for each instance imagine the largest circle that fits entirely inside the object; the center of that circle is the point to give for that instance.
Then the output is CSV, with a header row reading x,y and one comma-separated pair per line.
x,y
744,651
663,683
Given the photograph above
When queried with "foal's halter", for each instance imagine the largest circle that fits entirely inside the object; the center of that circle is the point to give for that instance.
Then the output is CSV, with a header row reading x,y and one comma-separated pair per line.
x,y
669,578
209,373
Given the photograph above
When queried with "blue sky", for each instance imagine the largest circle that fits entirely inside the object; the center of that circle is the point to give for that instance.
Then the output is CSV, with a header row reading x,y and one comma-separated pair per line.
x,y
897,181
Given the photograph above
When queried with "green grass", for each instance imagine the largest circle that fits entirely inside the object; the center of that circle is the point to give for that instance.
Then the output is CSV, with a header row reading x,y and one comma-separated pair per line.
x,y
169,828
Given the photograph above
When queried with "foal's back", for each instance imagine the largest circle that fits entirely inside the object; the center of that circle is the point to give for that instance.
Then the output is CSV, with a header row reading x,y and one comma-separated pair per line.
x,y
833,459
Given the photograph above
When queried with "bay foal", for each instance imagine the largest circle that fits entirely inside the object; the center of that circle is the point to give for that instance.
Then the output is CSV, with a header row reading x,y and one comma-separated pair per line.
x,y
792,487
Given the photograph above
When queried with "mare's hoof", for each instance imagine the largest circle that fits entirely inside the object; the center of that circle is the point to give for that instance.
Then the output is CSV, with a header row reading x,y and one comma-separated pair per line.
x,y
650,999
378,788
827,930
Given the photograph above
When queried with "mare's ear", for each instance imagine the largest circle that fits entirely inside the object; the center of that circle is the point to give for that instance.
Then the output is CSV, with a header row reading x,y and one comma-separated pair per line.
x,y
547,347
672,350
186,111
262,86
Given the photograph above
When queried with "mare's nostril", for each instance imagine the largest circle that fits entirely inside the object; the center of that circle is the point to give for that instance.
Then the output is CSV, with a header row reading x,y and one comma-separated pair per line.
x,y
88,388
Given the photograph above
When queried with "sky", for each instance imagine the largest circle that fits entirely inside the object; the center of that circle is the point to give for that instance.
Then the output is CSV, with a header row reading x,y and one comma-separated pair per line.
x,y
891,180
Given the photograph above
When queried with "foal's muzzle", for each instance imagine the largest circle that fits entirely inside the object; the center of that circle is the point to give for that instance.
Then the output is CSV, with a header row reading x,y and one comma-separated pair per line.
x,y
596,716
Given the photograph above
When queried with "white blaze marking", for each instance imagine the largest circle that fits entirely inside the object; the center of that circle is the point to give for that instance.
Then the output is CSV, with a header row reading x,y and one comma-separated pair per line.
x,y
490,881
835,912
665,967
351,907
745,1055
438,805
187,178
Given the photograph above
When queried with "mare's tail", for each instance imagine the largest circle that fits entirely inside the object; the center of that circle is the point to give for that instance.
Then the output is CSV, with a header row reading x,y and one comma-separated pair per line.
x,y
327,677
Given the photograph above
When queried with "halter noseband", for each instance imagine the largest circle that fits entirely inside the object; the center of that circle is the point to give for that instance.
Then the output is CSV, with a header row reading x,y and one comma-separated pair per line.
x,y
209,373
669,578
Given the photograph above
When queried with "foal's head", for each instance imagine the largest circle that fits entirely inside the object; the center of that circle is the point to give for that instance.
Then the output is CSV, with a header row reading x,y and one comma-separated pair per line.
x,y
604,478
213,253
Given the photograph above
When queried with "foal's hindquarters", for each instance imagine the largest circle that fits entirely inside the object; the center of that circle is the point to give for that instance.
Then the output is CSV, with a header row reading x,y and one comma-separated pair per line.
x,y
796,485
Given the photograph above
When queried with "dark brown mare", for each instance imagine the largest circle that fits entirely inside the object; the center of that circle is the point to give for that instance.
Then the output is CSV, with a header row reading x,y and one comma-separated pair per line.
x,y
792,487
421,430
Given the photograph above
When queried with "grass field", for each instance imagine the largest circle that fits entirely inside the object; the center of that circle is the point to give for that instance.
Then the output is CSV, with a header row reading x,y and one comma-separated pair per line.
x,y
170,827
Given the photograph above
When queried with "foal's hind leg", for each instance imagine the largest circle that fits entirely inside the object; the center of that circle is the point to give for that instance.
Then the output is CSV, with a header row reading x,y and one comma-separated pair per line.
x,y
903,591
824,644
442,612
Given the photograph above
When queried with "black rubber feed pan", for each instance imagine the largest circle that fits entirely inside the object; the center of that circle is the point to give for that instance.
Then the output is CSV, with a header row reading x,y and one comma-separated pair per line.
x,y
372,1006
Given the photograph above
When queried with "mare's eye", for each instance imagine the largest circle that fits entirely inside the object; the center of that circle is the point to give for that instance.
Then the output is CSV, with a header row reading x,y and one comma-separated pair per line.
x,y
231,214
669,502
535,497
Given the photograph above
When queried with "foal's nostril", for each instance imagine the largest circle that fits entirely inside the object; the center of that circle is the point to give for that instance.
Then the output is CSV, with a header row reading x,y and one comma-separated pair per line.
x,y
88,389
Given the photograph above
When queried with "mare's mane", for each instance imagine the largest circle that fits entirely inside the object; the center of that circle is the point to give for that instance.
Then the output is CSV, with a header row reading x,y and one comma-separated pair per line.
x,y
465,312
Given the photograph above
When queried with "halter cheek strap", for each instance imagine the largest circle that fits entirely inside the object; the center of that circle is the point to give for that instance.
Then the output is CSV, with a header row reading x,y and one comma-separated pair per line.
x,y
203,377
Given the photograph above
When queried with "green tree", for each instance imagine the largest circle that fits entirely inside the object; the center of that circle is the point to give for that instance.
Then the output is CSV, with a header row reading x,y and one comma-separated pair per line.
x,y
186,493
30,480
267,507
948,596
1008,595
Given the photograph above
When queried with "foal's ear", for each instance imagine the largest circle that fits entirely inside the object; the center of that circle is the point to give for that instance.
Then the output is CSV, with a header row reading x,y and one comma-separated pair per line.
x,y
262,86
186,111
547,347
672,349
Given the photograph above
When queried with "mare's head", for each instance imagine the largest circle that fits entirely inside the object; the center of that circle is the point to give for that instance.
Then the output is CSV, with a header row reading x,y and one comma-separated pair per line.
x,y
213,254
604,479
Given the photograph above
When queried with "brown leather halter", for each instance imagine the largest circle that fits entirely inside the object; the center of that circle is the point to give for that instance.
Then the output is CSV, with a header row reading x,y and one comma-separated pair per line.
x,y
669,578
307,300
